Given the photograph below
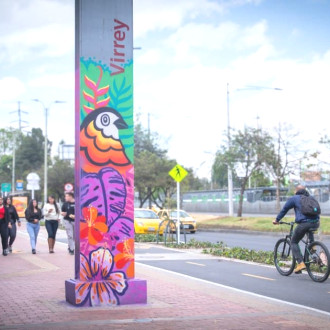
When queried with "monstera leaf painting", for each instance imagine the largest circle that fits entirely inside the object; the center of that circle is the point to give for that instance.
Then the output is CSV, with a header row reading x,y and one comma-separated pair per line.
x,y
106,191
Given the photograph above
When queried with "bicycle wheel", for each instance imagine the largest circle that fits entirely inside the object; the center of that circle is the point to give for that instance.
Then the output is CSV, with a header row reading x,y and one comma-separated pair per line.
x,y
283,259
317,261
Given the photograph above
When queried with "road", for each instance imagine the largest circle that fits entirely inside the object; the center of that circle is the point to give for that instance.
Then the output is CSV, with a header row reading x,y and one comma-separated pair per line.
x,y
249,240
258,279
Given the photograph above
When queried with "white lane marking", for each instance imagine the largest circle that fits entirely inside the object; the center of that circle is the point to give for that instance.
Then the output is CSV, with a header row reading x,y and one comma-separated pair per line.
x,y
237,290
259,277
195,263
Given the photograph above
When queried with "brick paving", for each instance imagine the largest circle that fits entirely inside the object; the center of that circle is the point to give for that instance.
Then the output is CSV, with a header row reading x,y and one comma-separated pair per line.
x,y
32,297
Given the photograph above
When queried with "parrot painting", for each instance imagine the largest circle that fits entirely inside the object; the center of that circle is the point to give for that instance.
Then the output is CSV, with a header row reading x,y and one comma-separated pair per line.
x,y
100,145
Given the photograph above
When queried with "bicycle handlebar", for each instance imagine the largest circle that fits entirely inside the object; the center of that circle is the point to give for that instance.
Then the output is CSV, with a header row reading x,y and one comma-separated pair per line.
x,y
286,223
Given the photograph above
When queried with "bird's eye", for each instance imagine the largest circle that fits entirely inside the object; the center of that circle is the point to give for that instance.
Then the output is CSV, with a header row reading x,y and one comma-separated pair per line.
x,y
105,120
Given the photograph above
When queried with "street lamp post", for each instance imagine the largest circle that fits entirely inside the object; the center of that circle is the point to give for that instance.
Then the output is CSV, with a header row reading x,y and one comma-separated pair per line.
x,y
46,145
230,174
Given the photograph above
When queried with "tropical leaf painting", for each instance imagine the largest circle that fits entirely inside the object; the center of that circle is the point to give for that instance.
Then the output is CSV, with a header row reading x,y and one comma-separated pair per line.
x,y
101,89
121,99
94,92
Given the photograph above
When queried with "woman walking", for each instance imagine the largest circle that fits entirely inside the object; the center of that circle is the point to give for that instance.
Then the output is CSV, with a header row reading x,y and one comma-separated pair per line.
x,y
13,217
51,215
4,225
33,216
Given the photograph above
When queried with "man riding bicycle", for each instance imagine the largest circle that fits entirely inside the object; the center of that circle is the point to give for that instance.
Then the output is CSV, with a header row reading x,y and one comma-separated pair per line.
x,y
305,223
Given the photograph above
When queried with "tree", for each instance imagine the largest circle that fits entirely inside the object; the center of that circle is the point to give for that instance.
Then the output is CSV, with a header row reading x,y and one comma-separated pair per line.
x,y
146,154
284,156
7,140
6,163
145,175
220,171
259,179
152,164
30,153
9,137
251,148
60,173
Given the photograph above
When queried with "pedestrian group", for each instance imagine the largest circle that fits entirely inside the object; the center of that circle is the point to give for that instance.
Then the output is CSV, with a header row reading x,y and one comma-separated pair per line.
x,y
51,212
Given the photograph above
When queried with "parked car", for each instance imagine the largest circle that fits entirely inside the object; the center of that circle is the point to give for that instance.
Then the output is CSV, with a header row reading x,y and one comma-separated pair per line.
x,y
146,222
186,221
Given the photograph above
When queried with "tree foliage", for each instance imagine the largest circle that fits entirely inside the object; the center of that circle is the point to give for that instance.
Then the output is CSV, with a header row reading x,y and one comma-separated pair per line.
x,y
284,156
60,173
30,153
152,164
251,149
9,138
220,171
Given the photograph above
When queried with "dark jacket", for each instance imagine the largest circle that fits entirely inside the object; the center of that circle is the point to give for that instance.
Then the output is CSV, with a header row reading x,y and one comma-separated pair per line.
x,y
12,213
68,207
295,203
31,216
6,218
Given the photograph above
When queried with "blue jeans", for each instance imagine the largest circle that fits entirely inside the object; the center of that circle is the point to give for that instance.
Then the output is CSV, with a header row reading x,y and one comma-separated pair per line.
x,y
51,226
33,230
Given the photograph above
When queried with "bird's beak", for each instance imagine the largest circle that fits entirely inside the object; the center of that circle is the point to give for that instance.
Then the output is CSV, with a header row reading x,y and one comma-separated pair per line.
x,y
120,123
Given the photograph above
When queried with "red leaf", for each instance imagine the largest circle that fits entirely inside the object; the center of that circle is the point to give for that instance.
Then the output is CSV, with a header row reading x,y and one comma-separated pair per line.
x,y
103,103
102,90
90,83
89,98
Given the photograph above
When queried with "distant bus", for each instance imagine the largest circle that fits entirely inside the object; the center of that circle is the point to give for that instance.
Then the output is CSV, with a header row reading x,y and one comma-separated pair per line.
x,y
221,195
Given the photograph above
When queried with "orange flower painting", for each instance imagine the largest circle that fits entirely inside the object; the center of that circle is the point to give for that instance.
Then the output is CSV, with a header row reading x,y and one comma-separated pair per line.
x,y
94,227
126,256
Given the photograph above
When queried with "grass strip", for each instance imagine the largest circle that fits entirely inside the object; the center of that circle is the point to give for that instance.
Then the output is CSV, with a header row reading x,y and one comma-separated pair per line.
x,y
253,223
219,249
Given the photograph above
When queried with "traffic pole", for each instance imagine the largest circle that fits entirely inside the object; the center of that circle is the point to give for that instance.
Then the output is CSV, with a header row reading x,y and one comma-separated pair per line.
x,y
178,209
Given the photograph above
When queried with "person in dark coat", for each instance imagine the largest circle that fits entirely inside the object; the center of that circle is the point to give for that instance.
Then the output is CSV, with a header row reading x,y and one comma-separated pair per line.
x,y
4,225
13,218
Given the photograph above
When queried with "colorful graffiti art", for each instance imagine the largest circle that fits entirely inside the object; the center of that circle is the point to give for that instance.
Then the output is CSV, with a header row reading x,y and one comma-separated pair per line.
x,y
105,273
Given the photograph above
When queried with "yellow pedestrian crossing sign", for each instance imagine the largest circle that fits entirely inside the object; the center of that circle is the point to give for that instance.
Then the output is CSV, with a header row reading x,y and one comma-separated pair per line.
x,y
178,173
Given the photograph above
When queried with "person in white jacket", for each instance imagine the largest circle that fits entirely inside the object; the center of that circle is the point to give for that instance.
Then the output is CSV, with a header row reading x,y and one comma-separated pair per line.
x,y
52,217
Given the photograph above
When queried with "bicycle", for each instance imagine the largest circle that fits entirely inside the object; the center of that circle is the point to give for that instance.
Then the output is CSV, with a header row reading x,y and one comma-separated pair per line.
x,y
316,257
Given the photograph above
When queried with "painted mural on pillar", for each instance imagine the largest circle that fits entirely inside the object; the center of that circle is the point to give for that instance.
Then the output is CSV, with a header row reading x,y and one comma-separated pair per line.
x,y
106,186
104,260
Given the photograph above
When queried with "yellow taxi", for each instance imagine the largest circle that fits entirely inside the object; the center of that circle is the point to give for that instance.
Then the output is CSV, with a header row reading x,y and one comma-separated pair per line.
x,y
187,222
146,222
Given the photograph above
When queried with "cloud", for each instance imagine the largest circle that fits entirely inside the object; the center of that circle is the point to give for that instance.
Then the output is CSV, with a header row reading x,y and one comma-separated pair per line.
x,y
60,81
191,100
51,41
150,57
150,15
11,89
35,29
29,14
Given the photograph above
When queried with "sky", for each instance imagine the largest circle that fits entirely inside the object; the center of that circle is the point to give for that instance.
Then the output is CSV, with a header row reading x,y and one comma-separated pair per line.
x,y
190,51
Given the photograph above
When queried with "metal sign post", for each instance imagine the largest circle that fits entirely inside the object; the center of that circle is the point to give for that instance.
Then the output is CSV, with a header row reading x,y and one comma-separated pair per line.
x,y
178,210
178,173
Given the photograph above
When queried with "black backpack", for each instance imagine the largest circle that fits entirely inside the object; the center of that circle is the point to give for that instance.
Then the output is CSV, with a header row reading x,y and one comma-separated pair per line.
x,y
310,207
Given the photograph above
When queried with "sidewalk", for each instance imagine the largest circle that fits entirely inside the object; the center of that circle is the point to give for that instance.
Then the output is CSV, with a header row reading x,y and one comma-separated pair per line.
x,y
32,297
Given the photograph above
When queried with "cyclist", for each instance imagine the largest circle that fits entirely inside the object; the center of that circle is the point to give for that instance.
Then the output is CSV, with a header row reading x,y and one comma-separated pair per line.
x,y
304,224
